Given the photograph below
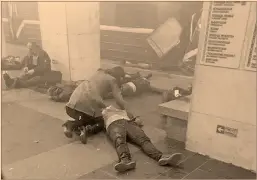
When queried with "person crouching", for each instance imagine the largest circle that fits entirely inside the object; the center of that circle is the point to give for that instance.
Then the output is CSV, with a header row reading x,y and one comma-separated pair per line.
x,y
119,127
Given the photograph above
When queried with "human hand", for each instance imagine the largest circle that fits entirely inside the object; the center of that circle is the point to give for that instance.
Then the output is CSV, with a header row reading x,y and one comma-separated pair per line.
x,y
139,122
30,72
130,115
25,70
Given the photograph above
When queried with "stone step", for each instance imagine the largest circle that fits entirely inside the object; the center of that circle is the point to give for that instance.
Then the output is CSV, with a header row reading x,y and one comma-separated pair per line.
x,y
175,115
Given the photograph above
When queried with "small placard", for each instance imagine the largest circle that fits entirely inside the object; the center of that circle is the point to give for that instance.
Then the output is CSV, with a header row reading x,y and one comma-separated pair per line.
x,y
232,132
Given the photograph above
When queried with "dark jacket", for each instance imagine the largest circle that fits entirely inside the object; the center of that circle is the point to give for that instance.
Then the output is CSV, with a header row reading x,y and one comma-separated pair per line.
x,y
42,65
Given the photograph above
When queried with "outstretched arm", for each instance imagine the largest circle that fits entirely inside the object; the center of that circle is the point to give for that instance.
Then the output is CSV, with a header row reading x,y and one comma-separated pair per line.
x,y
116,92
119,98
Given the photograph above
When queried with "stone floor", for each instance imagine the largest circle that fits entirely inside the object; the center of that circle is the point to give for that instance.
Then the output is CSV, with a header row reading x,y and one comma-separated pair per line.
x,y
33,145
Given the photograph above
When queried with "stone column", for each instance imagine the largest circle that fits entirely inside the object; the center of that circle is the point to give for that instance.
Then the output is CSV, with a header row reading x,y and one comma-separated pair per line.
x,y
222,122
4,53
70,33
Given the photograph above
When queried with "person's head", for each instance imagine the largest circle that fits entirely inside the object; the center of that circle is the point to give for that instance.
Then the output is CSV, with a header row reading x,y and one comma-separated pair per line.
x,y
29,45
34,47
117,72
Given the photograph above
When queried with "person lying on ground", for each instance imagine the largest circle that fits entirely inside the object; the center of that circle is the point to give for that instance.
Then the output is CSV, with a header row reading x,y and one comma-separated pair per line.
x,y
37,64
120,128
176,93
62,92
134,85
86,102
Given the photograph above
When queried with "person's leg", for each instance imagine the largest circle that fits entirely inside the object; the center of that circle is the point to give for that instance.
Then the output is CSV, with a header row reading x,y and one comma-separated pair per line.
x,y
71,126
23,81
9,82
137,135
90,127
117,134
96,125
28,81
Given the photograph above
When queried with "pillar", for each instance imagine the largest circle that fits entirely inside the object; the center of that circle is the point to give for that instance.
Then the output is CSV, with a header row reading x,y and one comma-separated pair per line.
x,y
222,122
70,33
4,53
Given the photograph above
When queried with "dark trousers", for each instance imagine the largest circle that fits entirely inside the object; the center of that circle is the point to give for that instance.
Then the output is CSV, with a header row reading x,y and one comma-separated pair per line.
x,y
82,119
121,130
25,81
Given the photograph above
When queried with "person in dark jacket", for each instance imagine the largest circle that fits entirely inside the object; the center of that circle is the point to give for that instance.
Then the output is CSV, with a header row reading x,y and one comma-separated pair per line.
x,y
87,100
37,63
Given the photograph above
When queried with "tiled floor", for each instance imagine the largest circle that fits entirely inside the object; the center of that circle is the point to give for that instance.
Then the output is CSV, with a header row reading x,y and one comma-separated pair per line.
x,y
40,150
193,166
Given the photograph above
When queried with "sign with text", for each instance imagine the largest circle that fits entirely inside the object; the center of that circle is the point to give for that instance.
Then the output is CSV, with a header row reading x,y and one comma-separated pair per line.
x,y
226,131
251,59
225,33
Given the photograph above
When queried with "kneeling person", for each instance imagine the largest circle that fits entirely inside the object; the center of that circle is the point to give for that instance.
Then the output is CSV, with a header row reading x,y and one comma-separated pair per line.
x,y
119,127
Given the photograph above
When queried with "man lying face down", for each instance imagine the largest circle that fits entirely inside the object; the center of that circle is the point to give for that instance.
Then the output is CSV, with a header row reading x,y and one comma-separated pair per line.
x,y
119,127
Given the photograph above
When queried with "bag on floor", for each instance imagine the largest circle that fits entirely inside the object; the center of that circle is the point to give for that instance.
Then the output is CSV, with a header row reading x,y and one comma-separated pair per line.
x,y
11,63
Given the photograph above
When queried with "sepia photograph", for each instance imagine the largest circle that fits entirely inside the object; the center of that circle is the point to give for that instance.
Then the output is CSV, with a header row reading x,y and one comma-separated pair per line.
x,y
128,89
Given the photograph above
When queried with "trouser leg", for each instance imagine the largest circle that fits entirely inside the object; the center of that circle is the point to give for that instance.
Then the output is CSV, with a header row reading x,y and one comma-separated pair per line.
x,y
117,134
28,82
137,136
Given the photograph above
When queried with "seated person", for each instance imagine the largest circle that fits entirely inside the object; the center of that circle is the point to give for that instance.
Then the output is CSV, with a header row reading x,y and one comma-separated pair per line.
x,y
37,64
119,128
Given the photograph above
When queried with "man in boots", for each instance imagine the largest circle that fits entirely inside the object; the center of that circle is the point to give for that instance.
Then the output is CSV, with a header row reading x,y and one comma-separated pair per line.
x,y
86,102
119,127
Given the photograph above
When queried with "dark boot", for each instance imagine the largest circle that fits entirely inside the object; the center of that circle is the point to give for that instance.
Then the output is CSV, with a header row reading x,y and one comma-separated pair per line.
x,y
89,130
9,82
125,164
84,131
68,128
94,129
172,160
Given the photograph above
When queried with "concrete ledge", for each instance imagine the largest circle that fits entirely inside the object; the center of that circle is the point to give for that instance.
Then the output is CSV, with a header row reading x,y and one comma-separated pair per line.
x,y
176,129
177,108
175,114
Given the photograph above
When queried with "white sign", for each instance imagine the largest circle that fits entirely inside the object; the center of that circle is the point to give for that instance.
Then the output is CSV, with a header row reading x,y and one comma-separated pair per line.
x,y
225,33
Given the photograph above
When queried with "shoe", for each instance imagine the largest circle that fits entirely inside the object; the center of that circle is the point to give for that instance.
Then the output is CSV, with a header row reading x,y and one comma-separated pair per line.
x,y
84,133
8,80
125,165
67,128
172,160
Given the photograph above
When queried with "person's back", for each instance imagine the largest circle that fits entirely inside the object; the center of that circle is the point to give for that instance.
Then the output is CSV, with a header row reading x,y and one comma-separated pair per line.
x,y
88,96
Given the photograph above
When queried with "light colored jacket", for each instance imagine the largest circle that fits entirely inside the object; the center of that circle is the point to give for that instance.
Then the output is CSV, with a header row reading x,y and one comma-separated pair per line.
x,y
112,114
